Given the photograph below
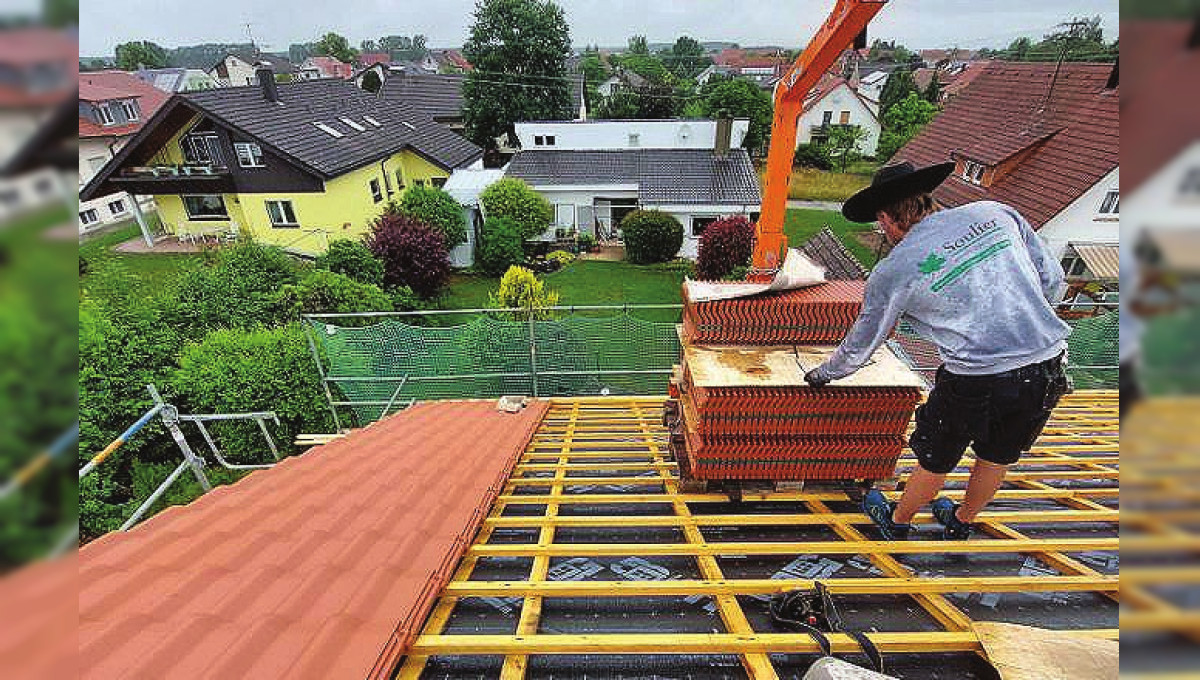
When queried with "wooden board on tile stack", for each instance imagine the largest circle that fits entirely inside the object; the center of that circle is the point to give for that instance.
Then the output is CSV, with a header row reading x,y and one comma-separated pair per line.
x,y
741,410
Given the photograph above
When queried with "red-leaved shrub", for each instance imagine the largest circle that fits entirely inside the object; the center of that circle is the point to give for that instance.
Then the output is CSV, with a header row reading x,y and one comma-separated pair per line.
x,y
413,254
724,246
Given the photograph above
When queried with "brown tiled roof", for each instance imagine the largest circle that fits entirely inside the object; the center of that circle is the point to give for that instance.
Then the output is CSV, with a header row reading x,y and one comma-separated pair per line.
x,y
1159,116
321,567
1070,131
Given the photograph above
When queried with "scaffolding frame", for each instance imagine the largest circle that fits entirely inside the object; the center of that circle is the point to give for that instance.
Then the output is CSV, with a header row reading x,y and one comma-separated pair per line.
x,y
582,438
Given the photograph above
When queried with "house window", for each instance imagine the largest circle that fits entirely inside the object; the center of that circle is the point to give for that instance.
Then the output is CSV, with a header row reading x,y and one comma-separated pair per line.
x,y
45,187
1073,266
205,207
1111,205
89,217
419,182
202,149
376,190
844,118
827,118
249,155
130,110
699,224
1191,184
282,214
438,182
550,140
635,139
104,115
539,140
399,179
116,207
973,172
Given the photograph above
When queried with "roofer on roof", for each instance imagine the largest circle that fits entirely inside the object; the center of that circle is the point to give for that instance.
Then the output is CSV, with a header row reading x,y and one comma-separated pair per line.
x,y
978,282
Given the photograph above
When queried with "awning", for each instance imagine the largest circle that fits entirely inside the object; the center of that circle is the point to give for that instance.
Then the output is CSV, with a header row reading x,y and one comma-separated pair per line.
x,y
1178,249
1101,260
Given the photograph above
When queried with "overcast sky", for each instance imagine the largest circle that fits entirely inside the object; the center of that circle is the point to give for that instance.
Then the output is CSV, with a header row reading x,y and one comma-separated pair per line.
x,y
275,24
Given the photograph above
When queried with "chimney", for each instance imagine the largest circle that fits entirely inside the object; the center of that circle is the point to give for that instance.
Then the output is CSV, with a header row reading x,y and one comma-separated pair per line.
x,y
266,81
1114,76
724,137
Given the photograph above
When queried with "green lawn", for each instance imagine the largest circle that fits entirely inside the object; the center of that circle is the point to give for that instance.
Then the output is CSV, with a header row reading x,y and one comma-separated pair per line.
x,y
145,271
586,282
801,225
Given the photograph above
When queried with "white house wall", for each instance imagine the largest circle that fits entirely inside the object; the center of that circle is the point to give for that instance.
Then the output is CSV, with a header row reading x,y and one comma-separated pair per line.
x,y
1081,221
841,99
685,213
1158,203
240,73
113,207
651,134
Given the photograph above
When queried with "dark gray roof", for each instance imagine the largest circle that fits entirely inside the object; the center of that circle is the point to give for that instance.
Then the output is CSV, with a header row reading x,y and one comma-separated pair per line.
x,y
827,250
663,176
289,125
439,95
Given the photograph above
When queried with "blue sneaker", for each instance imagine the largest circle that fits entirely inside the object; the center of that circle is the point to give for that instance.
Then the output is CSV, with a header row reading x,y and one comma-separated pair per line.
x,y
945,512
879,509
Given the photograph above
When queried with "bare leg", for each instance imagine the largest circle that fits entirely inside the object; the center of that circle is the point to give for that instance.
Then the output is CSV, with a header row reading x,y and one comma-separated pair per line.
x,y
986,479
922,487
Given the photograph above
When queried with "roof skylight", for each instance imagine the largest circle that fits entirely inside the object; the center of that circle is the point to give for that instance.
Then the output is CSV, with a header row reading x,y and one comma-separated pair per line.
x,y
332,132
354,125
372,121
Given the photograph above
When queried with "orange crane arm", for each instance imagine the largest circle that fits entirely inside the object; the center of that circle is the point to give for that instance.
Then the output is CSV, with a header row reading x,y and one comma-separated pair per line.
x,y
847,21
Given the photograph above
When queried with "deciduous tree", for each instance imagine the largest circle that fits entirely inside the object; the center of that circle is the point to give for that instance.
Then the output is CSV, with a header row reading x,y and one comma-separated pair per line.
x,y
519,49
336,46
140,54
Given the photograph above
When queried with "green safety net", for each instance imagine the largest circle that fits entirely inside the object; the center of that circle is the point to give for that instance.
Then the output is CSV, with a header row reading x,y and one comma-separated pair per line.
x,y
382,367
575,355
1093,348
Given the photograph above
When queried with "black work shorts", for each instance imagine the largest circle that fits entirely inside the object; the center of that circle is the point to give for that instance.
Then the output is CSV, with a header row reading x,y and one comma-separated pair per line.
x,y
999,416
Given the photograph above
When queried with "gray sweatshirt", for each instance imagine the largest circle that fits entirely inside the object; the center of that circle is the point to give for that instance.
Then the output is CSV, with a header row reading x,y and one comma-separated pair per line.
x,y
974,280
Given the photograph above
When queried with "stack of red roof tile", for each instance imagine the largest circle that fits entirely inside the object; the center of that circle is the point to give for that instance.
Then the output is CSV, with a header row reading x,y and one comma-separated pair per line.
x,y
821,314
741,409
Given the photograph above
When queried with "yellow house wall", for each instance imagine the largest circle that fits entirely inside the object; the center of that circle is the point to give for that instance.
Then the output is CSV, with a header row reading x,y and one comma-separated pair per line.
x,y
344,210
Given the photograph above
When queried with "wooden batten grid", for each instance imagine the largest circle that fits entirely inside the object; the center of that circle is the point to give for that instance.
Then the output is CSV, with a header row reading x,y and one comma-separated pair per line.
x,y
622,442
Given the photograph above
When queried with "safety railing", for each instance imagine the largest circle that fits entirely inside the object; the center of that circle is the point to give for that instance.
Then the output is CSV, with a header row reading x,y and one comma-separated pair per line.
x,y
371,364
192,461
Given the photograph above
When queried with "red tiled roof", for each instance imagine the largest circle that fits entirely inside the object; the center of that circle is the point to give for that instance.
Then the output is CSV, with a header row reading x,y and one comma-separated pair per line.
x,y
324,566
108,85
1072,129
371,58
40,612
29,46
1158,117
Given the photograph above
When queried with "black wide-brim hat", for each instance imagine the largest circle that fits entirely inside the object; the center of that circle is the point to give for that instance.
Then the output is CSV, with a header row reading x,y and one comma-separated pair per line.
x,y
893,183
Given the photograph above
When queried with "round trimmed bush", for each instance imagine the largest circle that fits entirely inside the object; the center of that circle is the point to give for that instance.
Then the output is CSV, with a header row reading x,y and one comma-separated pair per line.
x,y
725,245
413,254
500,246
651,236
352,259
513,199
438,209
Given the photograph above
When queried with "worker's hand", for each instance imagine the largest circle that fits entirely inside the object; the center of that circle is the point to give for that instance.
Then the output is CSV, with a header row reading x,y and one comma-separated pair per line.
x,y
816,378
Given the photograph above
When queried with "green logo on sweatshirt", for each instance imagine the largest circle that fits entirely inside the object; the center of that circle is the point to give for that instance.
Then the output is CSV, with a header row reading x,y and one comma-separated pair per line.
x,y
931,264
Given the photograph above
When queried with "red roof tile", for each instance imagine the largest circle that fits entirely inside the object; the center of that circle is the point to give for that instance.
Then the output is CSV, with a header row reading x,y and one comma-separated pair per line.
x,y
1011,107
108,85
1158,117
40,615
324,566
